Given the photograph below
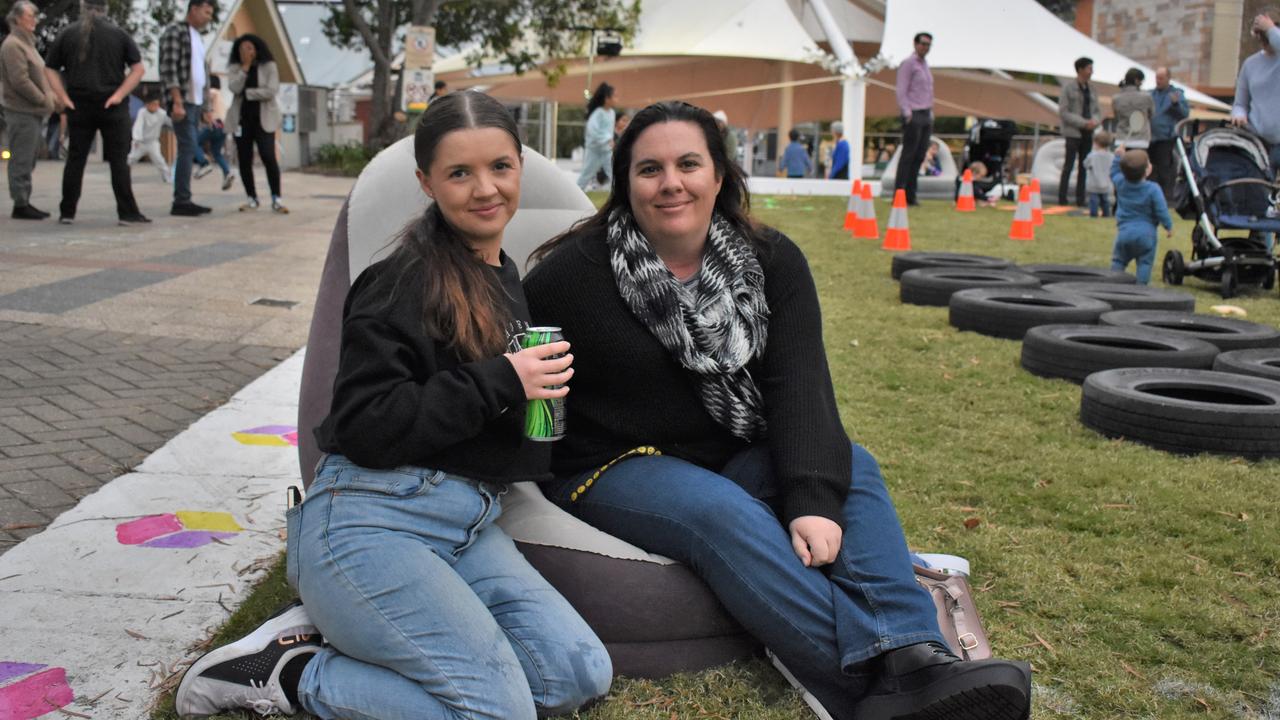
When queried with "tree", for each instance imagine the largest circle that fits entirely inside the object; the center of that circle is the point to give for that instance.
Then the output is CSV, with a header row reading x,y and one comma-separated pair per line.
x,y
522,33
145,26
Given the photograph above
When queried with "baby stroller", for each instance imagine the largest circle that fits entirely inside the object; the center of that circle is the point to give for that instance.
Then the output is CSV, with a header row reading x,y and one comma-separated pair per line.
x,y
988,143
1227,185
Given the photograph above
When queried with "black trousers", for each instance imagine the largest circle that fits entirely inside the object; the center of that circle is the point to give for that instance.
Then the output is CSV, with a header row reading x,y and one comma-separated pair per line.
x,y
1077,150
1164,165
266,144
917,131
88,119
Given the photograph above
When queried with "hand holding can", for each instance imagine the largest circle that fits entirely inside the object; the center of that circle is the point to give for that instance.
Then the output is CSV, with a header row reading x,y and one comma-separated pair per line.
x,y
544,368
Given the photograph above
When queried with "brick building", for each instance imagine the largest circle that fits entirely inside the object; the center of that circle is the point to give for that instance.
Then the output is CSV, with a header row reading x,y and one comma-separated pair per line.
x,y
1203,42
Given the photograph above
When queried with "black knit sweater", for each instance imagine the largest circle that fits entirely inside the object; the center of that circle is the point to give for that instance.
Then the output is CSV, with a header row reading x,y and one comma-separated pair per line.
x,y
403,398
628,391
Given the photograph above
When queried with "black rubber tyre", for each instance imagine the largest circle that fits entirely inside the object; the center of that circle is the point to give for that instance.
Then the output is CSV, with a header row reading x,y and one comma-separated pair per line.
x,y
1173,269
1077,273
912,260
934,286
1185,411
1259,362
1074,352
1011,312
1130,297
1226,333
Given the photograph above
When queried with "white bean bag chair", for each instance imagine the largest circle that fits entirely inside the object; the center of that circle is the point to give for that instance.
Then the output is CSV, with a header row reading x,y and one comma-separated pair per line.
x,y
654,615
1047,167
927,186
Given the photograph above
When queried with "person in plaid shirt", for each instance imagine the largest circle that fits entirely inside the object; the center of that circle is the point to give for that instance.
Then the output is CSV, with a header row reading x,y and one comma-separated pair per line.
x,y
184,75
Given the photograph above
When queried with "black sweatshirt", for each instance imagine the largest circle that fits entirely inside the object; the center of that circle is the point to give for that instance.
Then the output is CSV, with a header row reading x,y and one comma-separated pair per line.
x,y
403,398
628,391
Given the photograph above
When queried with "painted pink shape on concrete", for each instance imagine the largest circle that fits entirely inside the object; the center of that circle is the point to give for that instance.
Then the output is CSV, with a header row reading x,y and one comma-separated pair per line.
x,y
136,532
291,438
271,430
188,539
34,695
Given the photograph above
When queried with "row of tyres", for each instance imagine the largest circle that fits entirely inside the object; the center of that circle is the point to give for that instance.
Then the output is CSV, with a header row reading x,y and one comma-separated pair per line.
x,y
1152,370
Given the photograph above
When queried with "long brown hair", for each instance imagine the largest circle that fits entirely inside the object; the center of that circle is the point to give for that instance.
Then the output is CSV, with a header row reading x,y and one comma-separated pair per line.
x,y
733,202
463,303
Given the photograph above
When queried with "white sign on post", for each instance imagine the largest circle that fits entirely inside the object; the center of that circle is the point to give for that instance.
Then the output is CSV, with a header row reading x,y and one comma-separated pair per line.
x,y
419,79
288,98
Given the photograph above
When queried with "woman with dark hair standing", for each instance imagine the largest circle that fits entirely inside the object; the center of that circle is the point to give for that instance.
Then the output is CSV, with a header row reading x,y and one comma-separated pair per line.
x,y
598,144
723,447
254,116
1133,110
427,608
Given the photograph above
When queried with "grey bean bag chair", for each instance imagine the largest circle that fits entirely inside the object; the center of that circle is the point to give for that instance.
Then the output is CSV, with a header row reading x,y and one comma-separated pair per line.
x,y
1047,167
654,615
932,187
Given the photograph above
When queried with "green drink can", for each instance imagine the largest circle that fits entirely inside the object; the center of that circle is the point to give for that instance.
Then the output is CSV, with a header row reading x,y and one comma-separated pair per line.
x,y
544,419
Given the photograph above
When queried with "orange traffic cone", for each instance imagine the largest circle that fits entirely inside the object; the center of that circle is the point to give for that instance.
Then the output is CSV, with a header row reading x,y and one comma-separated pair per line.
x,y
1023,228
866,227
896,236
851,210
964,203
1037,210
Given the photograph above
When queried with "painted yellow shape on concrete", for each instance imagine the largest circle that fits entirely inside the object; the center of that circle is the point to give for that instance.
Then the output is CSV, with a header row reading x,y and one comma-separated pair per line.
x,y
216,521
255,439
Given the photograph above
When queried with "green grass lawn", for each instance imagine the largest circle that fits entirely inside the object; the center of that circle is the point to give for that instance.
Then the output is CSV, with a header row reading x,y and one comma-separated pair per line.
x,y
1138,584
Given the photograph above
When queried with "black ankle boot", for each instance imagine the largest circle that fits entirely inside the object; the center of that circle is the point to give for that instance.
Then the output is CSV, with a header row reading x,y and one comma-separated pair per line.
x,y
26,212
928,681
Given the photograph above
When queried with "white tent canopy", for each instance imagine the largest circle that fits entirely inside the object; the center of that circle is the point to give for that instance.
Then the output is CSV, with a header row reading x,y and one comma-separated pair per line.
x,y
1034,41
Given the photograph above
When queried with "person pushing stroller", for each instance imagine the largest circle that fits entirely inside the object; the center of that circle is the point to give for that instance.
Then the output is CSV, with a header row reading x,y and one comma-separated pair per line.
x,y
1140,206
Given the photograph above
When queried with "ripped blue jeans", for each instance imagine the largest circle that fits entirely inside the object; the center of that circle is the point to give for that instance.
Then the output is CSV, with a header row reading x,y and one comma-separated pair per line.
x,y
430,610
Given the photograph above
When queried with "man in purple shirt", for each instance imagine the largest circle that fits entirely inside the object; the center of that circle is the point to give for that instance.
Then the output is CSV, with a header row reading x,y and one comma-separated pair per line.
x,y
915,101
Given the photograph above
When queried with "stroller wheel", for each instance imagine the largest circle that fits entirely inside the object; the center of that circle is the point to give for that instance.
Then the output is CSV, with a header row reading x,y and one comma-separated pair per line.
x,y
1173,269
1269,279
1230,274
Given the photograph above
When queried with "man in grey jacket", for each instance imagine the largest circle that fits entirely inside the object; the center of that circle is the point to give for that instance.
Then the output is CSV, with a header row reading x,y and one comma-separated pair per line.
x,y
27,101
1257,103
1078,108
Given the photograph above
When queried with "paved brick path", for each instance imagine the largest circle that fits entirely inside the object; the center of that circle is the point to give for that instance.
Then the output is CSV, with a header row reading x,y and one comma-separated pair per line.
x,y
112,340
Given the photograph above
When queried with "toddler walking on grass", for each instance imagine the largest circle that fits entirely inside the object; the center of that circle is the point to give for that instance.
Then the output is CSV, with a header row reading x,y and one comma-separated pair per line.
x,y
1098,182
1140,207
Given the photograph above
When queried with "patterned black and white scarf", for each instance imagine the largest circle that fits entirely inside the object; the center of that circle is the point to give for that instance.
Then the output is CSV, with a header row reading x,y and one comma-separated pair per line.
x,y
713,330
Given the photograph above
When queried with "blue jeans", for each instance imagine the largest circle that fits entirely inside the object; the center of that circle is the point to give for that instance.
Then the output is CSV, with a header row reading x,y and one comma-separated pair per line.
x,y
184,131
1099,199
823,623
1135,242
430,609
216,139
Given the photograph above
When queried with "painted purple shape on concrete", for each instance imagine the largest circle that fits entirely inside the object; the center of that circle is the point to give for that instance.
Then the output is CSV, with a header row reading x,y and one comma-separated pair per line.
x,y
187,540
271,430
10,670
144,529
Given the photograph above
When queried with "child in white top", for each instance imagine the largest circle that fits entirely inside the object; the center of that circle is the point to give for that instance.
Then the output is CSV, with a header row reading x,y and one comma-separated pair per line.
x,y
151,120
1098,183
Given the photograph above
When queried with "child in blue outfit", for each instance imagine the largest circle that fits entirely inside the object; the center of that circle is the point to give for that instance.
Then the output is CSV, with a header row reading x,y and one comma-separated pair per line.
x,y
1140,207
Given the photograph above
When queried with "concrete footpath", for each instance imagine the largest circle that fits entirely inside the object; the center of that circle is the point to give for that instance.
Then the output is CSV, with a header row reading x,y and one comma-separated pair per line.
x,y
143,451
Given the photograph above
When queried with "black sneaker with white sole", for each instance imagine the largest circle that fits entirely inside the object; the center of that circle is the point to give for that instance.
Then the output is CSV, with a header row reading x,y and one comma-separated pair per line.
x,y
246,673
928,682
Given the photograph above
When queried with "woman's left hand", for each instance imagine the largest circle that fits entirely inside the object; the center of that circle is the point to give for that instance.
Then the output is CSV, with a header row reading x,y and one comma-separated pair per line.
x,y
815,539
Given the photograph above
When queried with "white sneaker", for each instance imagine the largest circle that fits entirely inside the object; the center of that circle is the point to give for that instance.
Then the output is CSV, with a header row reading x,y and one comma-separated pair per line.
x,y
203,170
228,179
250,204
818,711
246,673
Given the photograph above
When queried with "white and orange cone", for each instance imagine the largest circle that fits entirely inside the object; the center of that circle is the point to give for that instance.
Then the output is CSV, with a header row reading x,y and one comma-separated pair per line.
x,y
867,228
964,203
1023,228
851,210
897,236
1037,209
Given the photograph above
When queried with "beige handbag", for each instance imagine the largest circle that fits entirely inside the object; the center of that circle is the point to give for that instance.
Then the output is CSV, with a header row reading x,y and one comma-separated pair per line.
x,y
957,613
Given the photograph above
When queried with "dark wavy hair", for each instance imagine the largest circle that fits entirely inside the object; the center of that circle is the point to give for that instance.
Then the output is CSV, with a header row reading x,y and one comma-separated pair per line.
x,y
463,304
263,53
733,201
603,92
1133,77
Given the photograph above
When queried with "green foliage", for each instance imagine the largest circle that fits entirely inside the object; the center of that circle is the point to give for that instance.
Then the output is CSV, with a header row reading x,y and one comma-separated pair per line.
x,y
1139,584
348,159
144,26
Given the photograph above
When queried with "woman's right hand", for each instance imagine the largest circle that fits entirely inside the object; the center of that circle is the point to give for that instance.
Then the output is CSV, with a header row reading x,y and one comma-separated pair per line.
x,y
537,373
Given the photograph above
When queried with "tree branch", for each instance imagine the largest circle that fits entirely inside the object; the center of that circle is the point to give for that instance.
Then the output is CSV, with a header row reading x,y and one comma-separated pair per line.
x,y
366,33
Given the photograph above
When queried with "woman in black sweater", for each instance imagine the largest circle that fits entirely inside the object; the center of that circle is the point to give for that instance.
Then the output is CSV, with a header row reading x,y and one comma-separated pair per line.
x,y
426,607
703,426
